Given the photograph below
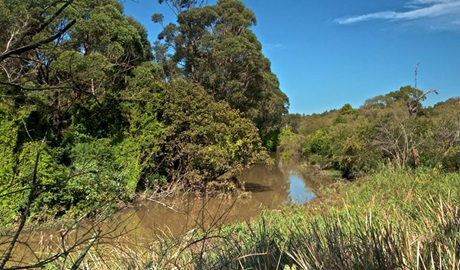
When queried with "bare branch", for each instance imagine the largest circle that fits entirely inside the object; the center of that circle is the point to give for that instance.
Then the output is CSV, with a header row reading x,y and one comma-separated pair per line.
x,y
413,105
35,45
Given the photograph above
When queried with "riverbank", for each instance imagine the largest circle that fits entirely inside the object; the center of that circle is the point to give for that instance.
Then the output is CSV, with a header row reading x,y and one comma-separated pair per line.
x,y
394,219
152,214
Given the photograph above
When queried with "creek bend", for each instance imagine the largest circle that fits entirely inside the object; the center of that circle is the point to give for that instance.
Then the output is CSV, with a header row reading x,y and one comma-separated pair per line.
x,y
270,187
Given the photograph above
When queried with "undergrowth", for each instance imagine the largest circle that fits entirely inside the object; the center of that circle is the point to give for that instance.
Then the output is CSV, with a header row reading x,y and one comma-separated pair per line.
x,y
395,219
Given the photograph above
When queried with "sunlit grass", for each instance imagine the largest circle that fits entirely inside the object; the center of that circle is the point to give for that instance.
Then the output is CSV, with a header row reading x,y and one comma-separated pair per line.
x,y
396,219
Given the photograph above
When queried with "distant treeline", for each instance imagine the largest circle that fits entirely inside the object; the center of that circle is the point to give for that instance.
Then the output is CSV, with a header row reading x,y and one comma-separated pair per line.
x,y
389,130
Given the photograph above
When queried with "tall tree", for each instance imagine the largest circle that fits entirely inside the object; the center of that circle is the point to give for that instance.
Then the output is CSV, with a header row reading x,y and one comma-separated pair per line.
x,y
215,47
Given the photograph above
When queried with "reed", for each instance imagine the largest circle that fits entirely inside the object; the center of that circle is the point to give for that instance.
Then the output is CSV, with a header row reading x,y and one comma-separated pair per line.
x,y
404,219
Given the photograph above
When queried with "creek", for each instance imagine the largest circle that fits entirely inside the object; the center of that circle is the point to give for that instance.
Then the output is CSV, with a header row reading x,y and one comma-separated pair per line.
x,y
269,187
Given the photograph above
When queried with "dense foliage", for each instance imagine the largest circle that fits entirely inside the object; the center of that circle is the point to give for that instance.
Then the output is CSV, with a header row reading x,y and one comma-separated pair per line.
x,y
80,85
214,47
393,130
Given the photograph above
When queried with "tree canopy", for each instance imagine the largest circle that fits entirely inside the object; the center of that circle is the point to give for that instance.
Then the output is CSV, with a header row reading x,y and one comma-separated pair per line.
x,y
215,47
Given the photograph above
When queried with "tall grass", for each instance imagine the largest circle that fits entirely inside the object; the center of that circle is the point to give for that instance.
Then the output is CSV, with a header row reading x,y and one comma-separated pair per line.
x,y
403,219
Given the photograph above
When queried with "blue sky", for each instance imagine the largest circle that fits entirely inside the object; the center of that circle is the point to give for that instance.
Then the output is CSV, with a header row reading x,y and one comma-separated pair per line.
x,y
331,52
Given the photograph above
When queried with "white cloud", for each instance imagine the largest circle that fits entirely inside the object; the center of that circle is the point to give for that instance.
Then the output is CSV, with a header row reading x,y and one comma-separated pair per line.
x,y
426,2
415,3
417,9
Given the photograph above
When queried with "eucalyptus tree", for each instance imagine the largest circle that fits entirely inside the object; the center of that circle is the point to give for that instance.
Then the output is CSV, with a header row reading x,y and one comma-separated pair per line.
x,y
215,47
28,25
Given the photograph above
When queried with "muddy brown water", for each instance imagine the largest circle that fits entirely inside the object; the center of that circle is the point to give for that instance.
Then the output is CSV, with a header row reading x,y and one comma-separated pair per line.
x,y
269,187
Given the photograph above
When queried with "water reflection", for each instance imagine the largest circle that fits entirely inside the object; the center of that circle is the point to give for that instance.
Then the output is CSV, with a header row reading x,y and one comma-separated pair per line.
x,y
298,191
301,185
270,188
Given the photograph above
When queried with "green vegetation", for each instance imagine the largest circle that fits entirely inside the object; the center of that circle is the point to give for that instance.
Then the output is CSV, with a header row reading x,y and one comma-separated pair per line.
x,y
215,48
387,130
80,84
91,115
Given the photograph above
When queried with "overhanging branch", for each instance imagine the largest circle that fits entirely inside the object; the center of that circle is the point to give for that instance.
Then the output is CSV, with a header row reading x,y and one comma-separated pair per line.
x,y
35,45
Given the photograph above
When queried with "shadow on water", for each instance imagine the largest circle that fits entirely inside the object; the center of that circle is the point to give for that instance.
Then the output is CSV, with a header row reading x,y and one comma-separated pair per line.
x,y
254,187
